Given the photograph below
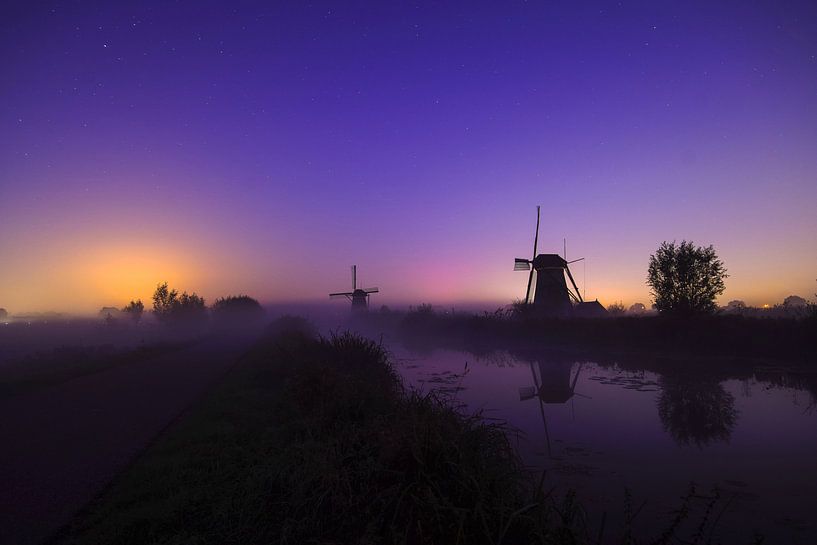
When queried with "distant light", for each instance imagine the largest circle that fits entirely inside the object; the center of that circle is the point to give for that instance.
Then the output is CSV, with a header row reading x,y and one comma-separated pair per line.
x,y
766,305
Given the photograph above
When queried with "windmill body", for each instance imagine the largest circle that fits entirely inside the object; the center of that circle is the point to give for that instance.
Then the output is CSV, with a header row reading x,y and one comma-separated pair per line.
x,y
360,299
551,296
358,296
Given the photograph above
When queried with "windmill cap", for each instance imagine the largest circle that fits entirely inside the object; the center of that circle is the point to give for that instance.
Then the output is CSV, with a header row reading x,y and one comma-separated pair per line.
x,y
549,261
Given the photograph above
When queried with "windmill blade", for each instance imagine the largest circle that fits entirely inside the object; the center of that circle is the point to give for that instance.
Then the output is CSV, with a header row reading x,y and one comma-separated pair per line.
x,y
575,260
576,378
535,245
536,238
526,392
571,295
545,423
354,277
578,293
520,264
339,295
372,290
529,291
582,395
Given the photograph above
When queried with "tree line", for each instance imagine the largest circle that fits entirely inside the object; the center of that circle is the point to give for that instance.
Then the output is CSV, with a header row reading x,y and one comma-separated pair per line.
x,y
173,308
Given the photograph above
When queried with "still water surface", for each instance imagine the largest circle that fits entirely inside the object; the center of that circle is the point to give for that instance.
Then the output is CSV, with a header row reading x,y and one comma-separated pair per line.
x,y
601,429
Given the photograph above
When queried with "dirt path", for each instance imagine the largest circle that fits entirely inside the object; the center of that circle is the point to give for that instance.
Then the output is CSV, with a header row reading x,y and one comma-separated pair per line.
x,y
59,446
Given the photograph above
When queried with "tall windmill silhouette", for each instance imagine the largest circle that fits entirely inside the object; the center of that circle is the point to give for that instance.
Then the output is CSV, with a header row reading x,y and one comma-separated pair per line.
x,y
358,296
550,293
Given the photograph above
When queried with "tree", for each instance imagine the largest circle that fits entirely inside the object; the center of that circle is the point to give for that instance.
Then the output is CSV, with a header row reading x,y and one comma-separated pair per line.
x,y
170,307
795,301
616,309
134,310
637,309
3,314
164,299
736,306
685,279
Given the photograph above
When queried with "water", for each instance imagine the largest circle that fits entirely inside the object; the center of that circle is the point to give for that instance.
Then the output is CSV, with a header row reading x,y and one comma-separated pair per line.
x,y
601,429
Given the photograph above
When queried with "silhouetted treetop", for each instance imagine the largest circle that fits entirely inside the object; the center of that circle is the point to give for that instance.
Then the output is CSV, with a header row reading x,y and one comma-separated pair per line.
x,y
637,308
685,279
616,309
169,306
795,301
134,310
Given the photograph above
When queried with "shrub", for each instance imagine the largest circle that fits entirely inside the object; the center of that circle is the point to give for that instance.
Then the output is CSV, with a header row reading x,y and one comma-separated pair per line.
x,y
237,310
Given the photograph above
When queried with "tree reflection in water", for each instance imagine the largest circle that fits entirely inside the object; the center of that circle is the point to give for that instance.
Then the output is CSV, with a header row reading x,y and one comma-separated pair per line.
x,y
698,412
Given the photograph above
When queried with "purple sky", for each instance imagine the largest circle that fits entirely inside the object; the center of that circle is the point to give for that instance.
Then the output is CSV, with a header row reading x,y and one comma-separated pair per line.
x,y
260,148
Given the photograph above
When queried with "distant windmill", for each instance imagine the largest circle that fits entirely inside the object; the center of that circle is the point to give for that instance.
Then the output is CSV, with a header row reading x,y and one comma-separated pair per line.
x,y
359,297
550,293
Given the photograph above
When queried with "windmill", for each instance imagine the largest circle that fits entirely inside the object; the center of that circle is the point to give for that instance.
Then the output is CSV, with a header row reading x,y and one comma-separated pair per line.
x,y
550,293
358,296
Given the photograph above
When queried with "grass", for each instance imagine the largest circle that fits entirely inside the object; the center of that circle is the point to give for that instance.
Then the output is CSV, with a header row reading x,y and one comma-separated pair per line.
x,y
69,362
314,440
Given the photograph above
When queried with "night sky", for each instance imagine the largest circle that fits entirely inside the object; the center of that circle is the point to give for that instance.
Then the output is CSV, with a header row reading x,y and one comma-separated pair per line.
x,y
263,148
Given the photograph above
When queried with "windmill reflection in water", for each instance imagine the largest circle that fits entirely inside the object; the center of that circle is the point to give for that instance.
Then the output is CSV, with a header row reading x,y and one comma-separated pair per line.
x,y
554,385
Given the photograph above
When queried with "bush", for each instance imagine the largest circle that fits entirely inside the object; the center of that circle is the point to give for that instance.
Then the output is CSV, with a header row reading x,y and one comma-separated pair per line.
x,y
237,310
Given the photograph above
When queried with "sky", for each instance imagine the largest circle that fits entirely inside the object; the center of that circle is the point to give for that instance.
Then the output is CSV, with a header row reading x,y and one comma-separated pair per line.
x,y
264,147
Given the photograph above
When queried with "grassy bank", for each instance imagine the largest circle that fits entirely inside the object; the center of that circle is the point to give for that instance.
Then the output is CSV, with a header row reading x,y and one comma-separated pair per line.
x,y
735,337
316,441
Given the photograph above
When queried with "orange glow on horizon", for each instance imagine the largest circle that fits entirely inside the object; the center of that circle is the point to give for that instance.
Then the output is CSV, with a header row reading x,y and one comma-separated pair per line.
x,y
118,275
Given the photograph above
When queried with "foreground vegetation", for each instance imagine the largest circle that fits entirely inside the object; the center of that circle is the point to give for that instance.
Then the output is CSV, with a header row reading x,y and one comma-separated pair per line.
x,y
316,441
313,440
